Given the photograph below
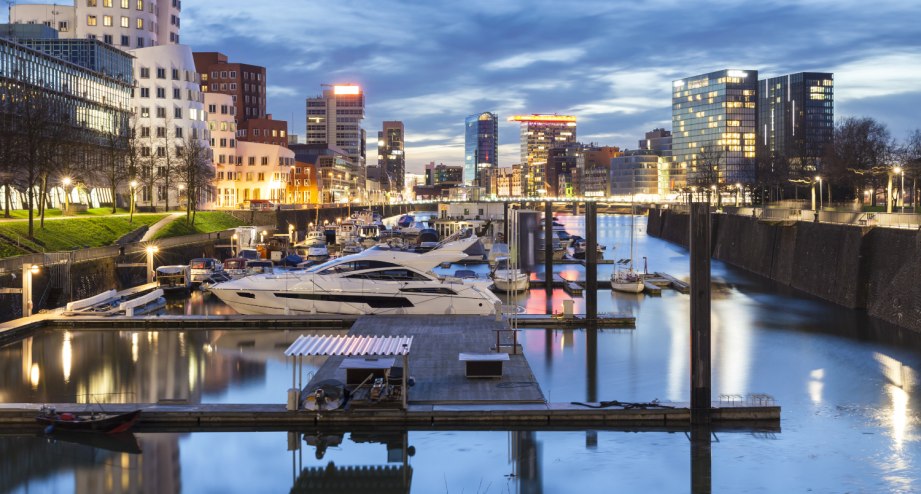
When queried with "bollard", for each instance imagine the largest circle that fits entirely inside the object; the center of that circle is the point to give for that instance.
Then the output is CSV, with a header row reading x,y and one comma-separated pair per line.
x,y
294,398
567,309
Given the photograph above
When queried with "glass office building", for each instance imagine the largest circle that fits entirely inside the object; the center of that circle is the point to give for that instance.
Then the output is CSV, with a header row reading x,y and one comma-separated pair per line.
x,y
539,134
481,144
796,118
714,121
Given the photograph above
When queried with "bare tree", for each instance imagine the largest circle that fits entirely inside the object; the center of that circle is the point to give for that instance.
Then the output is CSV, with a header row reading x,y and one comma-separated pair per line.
x,y
705,170
167,157
112,169
195,171
9,144
861,154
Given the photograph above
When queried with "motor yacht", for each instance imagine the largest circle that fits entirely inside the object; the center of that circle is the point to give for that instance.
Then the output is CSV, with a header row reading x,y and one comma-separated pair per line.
x,y
508,279
203,268
376,281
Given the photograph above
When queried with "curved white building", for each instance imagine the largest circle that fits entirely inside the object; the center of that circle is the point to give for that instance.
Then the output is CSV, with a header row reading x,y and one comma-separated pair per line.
x,y
169,107
127,24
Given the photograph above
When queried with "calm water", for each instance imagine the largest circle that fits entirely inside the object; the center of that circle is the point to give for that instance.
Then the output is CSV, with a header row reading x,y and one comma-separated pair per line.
x,y
848,387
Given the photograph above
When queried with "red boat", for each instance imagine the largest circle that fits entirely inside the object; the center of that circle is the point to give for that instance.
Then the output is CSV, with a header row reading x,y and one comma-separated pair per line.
x,y
109,423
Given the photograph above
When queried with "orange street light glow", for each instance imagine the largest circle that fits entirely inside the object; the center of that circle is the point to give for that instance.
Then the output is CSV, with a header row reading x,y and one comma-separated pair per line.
x,y
543,118
346,90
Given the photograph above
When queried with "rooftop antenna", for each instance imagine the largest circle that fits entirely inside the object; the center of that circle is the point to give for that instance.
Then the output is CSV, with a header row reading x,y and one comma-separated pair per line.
x,y
9,15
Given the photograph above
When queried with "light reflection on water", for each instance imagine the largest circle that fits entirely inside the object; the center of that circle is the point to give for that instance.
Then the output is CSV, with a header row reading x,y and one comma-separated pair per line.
x,y
848,386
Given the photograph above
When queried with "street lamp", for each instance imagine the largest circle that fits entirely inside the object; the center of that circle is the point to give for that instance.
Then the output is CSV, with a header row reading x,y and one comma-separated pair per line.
x,y
134,187
233,243
819,180
28,270
151,250
262,236
901,173
66,183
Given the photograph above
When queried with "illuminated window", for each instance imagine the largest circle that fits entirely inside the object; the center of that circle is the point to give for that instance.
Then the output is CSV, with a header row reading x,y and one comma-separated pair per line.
x,y
125,3
140,5
91,20
125,22
140,23
106,3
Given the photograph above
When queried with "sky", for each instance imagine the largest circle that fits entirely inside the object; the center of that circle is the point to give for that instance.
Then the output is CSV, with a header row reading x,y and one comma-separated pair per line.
x,y
611,63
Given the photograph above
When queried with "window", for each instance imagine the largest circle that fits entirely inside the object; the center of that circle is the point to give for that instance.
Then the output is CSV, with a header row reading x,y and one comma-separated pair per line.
x,y
177,93
62,26
177,112
233,143
91,20
161,92
252,160
125,4
161,112
161,132
233,87
179,132
175,74
140,23
107,3
223,143
161,153
256,132
107,20
107,39
140,5
212,108
145,131
161,73
90,3
126,22
223,74
145,112
261,177
140,42
265,160
126,40
145,92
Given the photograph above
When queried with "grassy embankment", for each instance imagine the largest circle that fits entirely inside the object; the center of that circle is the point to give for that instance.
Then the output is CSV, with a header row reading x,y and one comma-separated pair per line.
x,y
205,222
96,228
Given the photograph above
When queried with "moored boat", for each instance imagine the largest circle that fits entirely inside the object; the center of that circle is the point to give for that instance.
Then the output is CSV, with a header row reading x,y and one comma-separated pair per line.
x,y
109,423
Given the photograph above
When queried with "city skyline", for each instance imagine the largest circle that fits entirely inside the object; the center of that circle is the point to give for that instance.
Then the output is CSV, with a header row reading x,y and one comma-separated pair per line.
x,y
512,59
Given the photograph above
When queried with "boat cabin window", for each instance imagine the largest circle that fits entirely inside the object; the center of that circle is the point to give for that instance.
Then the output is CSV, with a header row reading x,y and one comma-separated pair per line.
x,y
337,267
201,264
399,274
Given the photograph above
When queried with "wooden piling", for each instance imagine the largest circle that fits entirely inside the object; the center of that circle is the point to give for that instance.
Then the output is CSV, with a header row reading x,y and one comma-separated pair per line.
x,y
591,261
548,250
700,313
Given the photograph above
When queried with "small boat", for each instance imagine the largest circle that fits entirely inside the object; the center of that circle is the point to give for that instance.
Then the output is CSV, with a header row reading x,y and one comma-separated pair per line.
x,y
497,251
627,281
509,280
203,268
235,267
578,249
173,278
405,221
369,235
315,237
351,247
317,253
325,395
259,266
109,423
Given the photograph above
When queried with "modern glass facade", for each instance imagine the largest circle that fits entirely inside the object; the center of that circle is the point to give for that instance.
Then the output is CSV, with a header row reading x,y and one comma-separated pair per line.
x,y
796,118
540,133
390,156
88,53
93,100
714,121
481,144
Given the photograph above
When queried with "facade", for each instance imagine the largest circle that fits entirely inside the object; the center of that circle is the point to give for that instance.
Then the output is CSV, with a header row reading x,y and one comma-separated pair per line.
x,y
445,175
563,165
246,83
302,184
98,102
335,117
126,24
508,182
481,144
244,171
539,133
796,118
636,172
169,108
714,121
671,177
334,171
593,180
263,130
391,159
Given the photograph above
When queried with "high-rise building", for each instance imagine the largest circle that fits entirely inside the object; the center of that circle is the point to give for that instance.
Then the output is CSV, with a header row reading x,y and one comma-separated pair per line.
x,y
714,121
563,163
335,117
539,133
391,159
246,83
126,24
796,118
481,144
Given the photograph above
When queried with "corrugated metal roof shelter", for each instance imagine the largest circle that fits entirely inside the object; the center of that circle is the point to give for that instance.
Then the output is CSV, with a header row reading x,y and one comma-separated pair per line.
x,y
349,346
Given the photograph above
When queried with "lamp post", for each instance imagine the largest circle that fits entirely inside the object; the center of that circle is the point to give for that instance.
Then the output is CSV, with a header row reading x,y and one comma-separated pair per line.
x,y
66,183
134,187
262,236
151,250
28,270
819,180
901,173
889,191
233,243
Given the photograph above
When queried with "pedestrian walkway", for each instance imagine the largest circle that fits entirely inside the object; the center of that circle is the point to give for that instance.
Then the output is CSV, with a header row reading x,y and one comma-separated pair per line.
x,y
152,231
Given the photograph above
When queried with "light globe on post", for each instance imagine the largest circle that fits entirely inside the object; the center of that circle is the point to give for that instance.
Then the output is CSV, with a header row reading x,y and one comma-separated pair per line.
x,y
134,187
151,251
66,183
819,180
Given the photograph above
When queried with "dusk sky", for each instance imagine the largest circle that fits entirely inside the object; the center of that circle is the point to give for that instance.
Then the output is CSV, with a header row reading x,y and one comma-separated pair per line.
x,y
609,62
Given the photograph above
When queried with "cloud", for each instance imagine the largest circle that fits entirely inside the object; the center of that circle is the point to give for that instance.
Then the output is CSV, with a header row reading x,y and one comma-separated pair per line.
x,y
273,91
878,75
521,60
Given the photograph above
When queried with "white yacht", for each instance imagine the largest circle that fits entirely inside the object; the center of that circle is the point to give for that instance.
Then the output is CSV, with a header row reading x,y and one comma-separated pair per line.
x,y
508,279
375,281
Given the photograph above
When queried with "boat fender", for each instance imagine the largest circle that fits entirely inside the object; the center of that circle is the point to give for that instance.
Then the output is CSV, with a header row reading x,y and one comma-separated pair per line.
x,y
411,381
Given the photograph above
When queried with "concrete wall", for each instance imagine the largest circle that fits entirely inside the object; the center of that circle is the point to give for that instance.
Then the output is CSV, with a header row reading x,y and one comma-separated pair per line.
x,y
863,268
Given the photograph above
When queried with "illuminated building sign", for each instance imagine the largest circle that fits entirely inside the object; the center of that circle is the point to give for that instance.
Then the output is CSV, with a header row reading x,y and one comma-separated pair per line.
x,y
346,90
543,118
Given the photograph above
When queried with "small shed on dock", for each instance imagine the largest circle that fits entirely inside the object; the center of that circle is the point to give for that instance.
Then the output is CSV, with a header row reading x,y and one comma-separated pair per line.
x,y
350,346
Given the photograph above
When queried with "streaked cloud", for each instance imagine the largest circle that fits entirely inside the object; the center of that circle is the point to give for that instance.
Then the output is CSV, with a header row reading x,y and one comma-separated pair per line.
x,y
567,55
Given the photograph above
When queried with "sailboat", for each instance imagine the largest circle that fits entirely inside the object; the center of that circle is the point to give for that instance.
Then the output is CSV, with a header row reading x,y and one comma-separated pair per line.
x,y
627,280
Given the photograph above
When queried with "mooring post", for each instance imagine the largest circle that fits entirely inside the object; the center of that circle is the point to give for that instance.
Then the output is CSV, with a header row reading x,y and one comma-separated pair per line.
x,y
701,460
505,224
548,252
591,261
699,243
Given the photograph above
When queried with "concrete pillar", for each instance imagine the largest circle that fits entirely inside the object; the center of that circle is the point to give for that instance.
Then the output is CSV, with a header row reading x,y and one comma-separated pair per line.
x,y
701,460
591,261
548,252
700,313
